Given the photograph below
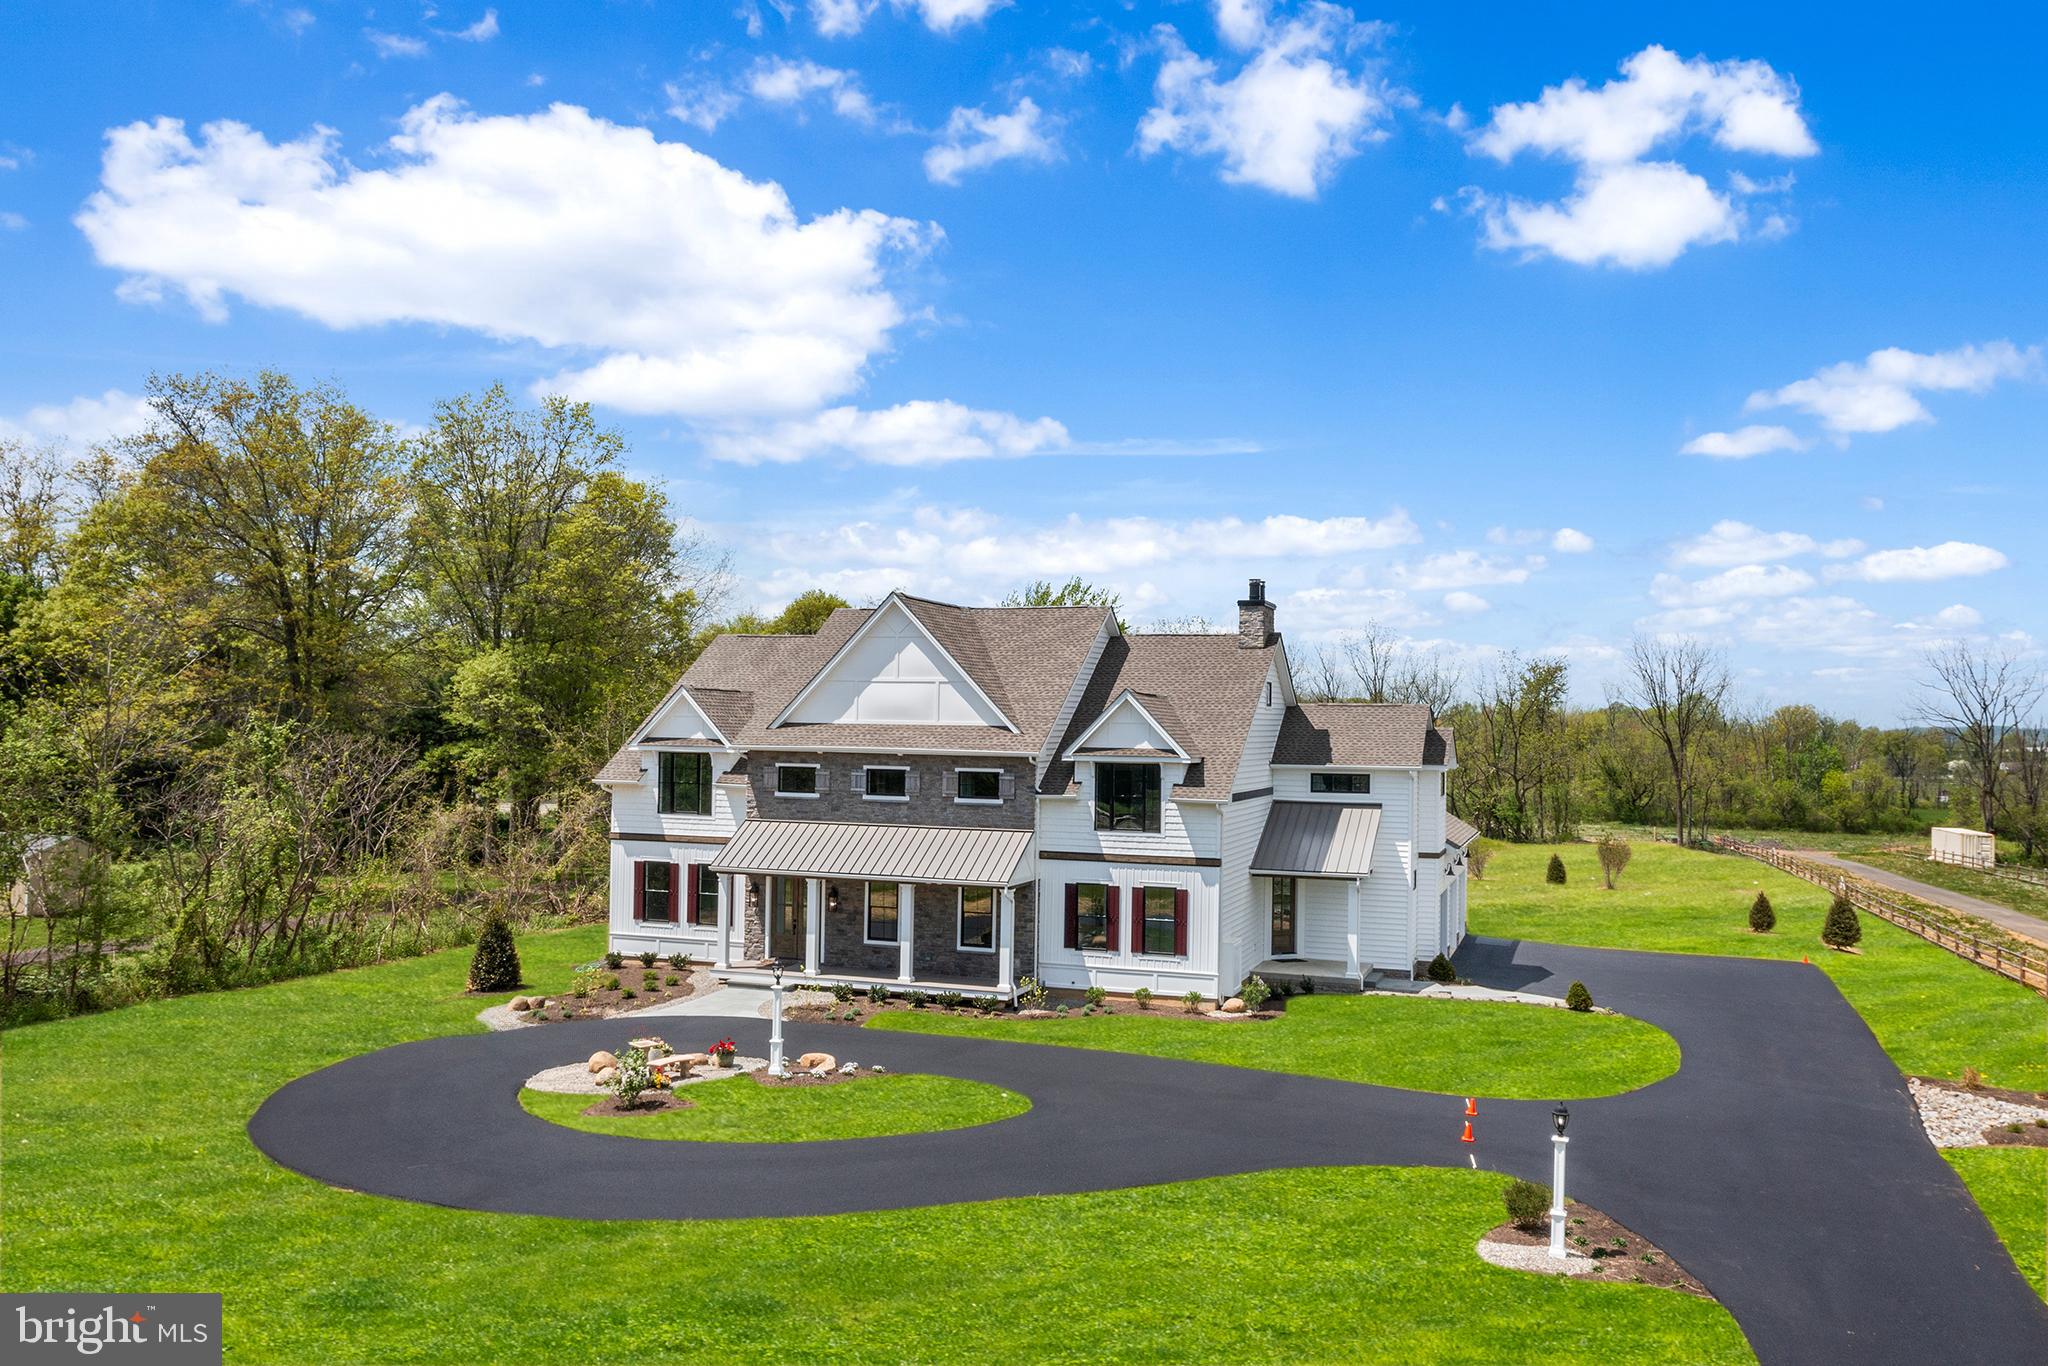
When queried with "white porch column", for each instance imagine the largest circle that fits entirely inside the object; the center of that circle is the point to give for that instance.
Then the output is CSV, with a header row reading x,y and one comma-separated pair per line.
x,y
906,928
814,924
1351,927
727,884
1006,939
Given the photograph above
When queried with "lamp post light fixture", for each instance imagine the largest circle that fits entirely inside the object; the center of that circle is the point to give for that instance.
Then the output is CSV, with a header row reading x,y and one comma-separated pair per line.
x,y
1559,1118
775,1066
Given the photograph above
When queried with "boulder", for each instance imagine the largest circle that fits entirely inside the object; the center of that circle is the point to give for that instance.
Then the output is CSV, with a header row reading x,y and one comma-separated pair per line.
x,y
607,1074
601,1060
1234,1006
847,1069
816,1062
537,1003
518,1003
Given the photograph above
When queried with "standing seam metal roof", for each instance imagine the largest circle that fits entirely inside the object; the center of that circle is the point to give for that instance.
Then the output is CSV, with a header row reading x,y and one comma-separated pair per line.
x,y
883,853
1318,839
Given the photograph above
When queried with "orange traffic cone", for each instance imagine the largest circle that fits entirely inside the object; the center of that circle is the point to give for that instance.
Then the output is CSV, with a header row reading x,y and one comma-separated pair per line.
x,y
1471,1106
1467,1138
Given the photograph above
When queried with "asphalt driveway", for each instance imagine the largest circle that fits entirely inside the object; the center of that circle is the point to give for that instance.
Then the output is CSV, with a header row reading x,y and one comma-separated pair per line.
x,y
1782,1164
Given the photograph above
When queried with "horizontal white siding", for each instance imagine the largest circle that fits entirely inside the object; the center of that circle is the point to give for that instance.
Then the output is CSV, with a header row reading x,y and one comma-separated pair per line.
x,y
1243,932
1186,830
633,810
1119,969
1254,765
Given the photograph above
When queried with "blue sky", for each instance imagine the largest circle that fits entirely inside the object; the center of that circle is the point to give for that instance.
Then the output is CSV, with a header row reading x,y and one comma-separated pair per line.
x,y
1515,328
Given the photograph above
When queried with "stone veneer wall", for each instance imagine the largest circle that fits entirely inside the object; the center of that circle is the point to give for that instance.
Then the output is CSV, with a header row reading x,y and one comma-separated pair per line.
x,y
931,804
936,927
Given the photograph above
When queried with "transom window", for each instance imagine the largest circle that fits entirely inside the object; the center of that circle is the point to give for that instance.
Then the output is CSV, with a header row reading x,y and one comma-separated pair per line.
x,y
1091,916
1127,797
657,891
978,785
883,911
978,919
1352,784
887,784
683,784
1162,921
796,780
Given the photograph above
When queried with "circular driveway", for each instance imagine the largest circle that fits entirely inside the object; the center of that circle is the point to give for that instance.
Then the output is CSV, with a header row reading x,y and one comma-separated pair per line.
x,y
1783,1163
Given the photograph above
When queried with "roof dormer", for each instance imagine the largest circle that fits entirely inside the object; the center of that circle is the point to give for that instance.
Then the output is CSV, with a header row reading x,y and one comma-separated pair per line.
x,y
895,670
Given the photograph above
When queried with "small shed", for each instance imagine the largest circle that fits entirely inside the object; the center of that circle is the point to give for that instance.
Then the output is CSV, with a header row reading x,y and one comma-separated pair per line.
x,y
1958,844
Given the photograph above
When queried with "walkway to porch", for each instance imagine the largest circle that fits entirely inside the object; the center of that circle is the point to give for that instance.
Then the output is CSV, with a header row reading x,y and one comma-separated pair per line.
x,y
1329,974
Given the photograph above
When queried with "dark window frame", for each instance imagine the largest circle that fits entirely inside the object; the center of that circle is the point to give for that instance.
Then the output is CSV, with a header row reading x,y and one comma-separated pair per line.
x,y
1129,798
682,788
867,917
995,780
1325,783
707,889
1099,940
667,892
1150,918
902,771
813,769
960,920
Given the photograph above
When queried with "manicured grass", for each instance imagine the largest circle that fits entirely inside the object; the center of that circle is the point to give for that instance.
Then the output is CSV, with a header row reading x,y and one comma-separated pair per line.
x,y
2011,1187
1515,1052
741,1110
127,1166
2021,896
1933,1012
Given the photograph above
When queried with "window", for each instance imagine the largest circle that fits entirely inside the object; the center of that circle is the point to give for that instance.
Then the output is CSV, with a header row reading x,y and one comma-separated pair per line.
x,y
978,919
1161,912
1089,922
657,891
978,785
704,905
1283,917
882,906
1127,797
888,784
1353,784
796,780
683,784
1269,694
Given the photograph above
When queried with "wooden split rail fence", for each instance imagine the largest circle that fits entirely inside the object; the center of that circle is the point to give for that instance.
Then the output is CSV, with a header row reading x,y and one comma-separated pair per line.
x,y
2029,969
2030,876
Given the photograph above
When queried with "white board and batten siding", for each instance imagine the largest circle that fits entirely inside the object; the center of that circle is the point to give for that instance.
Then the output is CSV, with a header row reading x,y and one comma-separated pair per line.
x,y
1244,911
1385,918
633,813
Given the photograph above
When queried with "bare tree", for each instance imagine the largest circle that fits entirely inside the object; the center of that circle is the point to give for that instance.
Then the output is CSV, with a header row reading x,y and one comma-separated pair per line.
x,y
32,510
1976,699
1432,679
1374,654
1677,689
1321,675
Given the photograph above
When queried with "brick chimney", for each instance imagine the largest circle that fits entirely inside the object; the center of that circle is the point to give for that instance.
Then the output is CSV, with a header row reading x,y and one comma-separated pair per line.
x,y
1255,618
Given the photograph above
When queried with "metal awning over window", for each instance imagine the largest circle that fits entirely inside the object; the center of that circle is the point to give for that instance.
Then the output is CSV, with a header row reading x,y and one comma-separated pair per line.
x,y
1318,839
878,853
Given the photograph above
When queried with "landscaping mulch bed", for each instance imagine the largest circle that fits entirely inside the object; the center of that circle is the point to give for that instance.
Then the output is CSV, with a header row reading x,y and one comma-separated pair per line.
x,y
832,1078
820,1008
602,1000
1997,1116
1618,1253
650,1103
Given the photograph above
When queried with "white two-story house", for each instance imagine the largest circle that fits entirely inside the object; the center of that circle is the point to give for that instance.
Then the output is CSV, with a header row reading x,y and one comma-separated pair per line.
x,y
956,798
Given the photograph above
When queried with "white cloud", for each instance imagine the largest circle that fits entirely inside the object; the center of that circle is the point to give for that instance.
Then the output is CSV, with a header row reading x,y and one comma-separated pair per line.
x,y
297,20
1291,115
1465,603
1834,625
921,432
1626,210
1923,564
390,45
702,292
776,80
974,140
946,16
84,420
1957,616
1068,64
1568,541
12,221
1734,543
1464,569
1743,583
703,104
1744,442
841,18
482,31
1878,394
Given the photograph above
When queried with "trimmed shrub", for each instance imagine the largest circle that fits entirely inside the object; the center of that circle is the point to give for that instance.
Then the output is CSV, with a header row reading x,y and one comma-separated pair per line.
x,y
1555,872
1842,927
1254,992
646,957
679,961
1191,1002
950,1000
1528,1205
1440,970
1095,996
1142,998
1578,998
878,994
495,965
1614,856
842,992
1762,919
615,961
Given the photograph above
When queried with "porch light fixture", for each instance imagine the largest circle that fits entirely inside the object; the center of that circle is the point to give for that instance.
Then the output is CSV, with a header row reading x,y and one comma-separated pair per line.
x,y
832,899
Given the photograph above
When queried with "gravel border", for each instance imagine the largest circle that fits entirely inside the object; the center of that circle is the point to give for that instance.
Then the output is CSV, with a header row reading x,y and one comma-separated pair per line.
x,y
1958,1119
576,1078
1535,1257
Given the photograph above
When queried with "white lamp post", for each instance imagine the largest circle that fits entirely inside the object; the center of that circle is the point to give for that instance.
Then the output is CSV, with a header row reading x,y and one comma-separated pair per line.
x,y
1558,1118
775,1068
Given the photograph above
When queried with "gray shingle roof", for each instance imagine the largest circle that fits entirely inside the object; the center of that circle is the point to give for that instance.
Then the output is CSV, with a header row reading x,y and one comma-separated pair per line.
x,y
1208,683
1459,832
1367,734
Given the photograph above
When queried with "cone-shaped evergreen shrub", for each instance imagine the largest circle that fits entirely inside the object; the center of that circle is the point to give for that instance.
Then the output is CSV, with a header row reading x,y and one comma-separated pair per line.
x,y
1440,970
1762,918
1578,998
1528,1205
496,964
1842,928
1555,872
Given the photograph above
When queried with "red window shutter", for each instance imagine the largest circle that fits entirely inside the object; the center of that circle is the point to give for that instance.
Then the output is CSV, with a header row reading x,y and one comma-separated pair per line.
x,y
1073,915
1137,920
1113,895
639,891
689,916
1180,921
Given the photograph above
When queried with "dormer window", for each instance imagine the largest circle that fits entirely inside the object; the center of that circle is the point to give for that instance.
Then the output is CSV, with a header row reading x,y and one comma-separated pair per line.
x,y
682,784
1127,797
1346,784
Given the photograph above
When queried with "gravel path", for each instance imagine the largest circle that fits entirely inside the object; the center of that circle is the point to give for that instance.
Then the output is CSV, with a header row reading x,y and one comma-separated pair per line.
x,y
2005,917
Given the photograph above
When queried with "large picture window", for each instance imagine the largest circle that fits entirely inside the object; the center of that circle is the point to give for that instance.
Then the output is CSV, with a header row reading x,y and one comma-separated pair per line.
x,y
704,905
978,919
1352,784
657,891
883,908
683,786
1127,797
1159,930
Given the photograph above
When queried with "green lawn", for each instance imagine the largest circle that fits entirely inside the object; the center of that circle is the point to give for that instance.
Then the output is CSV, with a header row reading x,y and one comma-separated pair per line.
x,y
1465,1048
741,1110
2011,1187
126,1165
2021,896
1933,1012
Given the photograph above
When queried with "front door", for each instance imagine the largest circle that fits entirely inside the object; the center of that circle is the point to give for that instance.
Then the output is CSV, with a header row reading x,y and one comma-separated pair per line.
x,y
1283,917
786,919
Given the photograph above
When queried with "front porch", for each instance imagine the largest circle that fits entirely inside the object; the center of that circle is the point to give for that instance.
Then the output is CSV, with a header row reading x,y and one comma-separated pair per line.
x,y
762,974
1330,975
